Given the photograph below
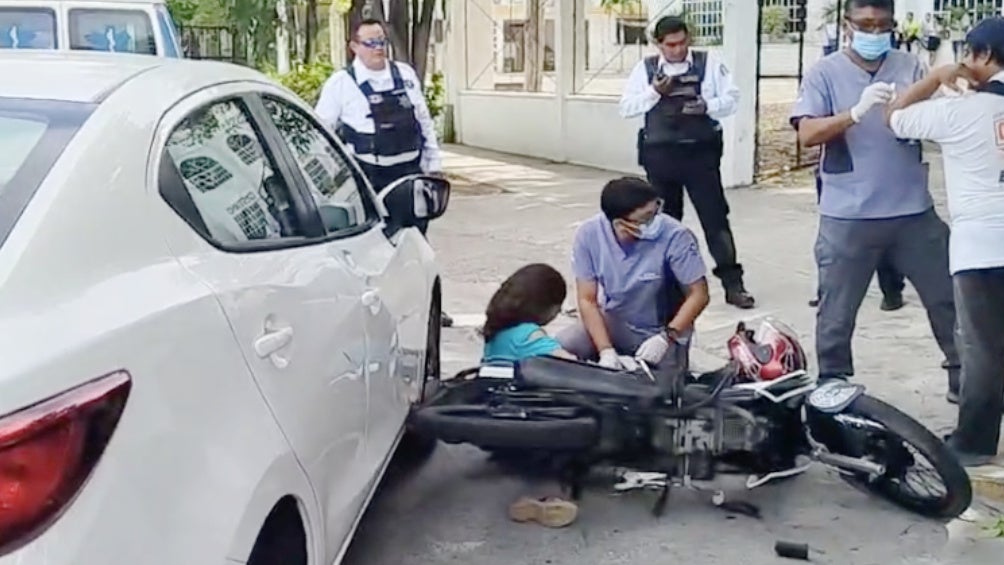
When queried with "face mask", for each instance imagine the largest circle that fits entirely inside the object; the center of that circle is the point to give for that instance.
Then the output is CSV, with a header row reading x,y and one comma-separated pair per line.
x,y
871,46
651,230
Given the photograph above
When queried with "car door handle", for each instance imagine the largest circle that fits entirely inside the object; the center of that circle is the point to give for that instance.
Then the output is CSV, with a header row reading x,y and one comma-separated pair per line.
x,y
271,342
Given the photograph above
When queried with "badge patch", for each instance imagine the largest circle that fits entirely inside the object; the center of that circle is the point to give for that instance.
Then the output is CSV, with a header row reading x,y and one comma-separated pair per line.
x,y
409,84
999,129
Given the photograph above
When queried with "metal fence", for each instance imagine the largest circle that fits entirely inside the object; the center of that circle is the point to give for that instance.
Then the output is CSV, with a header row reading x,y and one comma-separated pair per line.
x,y
218,43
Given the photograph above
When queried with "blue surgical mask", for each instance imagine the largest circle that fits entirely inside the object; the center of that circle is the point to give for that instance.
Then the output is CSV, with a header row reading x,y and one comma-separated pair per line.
x,y
651,230
871,46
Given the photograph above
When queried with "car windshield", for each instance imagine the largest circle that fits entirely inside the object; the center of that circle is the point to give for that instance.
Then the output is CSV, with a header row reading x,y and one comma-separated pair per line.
x,y
27,28
33,134
119,31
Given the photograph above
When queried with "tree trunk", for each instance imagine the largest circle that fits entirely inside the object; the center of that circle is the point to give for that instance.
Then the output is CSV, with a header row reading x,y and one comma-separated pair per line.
x,y
282,37
399,24
310,46
336,35
534,46
422,36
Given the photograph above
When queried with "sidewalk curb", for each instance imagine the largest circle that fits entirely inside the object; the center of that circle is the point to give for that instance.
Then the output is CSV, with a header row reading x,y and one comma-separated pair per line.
x,y
988,481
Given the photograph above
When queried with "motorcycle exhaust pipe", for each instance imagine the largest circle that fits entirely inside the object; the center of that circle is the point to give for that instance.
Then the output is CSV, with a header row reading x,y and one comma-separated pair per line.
x,y
850,463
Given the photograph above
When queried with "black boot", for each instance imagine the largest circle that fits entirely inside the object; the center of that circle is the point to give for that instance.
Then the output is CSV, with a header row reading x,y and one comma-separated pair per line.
x,y
738,296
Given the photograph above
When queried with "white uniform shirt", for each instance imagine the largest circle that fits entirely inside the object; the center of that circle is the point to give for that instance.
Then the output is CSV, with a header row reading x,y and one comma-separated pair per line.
x,y
718,91
970,130
341,101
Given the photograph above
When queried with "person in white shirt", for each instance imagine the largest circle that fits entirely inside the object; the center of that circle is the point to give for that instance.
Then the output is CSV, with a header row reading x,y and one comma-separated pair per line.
x,y
683,94
970,129
377,107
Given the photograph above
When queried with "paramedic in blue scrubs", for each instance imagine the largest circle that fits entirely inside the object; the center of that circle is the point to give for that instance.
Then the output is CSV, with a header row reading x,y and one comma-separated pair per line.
x,y
640,281
875,200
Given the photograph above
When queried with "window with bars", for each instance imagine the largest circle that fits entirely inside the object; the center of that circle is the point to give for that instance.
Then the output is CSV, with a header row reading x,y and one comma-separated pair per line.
x,y
791,10
632,31
975,9
706,18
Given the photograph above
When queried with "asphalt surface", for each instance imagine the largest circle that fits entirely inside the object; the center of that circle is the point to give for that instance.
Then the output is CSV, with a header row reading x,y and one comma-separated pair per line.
x,y
508,211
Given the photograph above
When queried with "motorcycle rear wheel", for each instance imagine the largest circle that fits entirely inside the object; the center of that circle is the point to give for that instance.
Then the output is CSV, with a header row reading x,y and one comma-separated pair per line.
x,y
477,425
892,449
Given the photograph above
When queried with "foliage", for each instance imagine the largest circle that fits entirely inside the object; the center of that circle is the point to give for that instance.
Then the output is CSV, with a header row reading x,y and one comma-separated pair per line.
x,y
183,11
774,21
435,94
996,529
305,80
830,13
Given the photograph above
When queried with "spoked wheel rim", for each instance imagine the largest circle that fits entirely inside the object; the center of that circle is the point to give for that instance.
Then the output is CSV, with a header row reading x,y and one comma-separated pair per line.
x,y
910,475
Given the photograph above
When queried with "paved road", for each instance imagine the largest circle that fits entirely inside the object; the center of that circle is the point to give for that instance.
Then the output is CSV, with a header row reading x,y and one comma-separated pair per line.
x,y
453,510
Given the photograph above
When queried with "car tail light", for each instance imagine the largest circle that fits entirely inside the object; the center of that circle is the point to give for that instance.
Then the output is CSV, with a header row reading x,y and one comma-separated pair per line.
x,y
47,452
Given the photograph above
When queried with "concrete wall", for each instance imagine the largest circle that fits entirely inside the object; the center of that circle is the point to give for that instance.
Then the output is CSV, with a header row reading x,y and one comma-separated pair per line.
x,y
576,128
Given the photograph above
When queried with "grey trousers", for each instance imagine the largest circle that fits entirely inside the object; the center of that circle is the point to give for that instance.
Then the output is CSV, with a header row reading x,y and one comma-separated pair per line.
x,y
979,298
575,340
847,254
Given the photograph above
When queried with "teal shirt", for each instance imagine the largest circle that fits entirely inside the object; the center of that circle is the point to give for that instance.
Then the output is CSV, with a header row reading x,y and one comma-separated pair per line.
x,y
514,344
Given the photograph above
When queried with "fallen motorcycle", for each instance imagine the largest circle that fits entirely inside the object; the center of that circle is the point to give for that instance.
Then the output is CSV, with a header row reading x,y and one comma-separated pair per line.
x,y
761,414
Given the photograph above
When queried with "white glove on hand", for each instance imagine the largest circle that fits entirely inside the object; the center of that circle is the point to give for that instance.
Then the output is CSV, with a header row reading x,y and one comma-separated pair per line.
x,y
653,349
874,94
610,360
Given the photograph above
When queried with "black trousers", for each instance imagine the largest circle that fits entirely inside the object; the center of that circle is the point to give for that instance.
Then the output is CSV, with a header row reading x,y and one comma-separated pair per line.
x,y
696,168
979,302
381,177
891,281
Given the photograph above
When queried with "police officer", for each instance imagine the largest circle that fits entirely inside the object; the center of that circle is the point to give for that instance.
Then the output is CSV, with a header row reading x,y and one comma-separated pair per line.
x,y
682,94
377,107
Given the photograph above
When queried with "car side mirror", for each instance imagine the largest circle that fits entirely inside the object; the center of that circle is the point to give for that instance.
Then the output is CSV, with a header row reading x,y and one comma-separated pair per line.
x,y
414,200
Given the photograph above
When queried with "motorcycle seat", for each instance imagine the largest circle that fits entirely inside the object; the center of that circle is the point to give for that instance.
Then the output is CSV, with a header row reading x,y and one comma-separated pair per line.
x,y
557,373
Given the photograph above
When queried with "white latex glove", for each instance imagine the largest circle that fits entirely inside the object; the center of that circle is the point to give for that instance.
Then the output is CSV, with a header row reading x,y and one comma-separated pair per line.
x,y
653,349
610,359
874,94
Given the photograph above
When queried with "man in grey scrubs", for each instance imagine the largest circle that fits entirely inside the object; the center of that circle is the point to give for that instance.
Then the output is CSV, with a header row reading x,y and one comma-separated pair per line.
x,y
640,281
875,200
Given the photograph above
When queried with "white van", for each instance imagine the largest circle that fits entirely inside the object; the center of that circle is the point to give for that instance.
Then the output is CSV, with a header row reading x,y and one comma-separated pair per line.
x,y
119,26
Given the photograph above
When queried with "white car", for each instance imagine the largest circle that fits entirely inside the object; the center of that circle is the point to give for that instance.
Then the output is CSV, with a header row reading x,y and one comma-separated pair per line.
x,y
120,26
212,329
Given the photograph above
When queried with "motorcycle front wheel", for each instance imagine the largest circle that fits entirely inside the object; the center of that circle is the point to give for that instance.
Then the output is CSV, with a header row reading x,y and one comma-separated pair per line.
x,y
921,474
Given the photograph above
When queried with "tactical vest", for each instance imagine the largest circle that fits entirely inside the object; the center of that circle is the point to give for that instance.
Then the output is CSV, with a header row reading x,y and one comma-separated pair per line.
x,y
665,123
396,128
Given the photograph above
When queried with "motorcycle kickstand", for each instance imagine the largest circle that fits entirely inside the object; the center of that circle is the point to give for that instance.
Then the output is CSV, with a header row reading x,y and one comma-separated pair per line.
x,y
659,508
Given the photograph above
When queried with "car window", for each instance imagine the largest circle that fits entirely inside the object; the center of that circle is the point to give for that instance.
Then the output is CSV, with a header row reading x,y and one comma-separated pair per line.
x,y
27,28
119,31
33,134
333,185
230,178
172,45
18,137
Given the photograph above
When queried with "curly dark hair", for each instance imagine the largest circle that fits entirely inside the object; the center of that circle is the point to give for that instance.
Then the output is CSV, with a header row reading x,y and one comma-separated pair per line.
x,y
530,295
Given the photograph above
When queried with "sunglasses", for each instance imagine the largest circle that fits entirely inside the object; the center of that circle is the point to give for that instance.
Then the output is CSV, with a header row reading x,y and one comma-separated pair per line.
x,y
374,43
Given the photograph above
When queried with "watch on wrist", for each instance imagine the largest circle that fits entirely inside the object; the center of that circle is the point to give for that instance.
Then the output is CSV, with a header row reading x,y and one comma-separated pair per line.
x,y
672,334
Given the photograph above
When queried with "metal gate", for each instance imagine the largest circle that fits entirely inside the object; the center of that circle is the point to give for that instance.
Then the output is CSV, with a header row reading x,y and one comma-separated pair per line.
x,y
218,43
781,40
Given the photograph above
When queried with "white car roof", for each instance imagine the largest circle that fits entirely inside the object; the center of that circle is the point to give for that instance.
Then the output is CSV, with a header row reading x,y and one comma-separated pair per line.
x,y
88,76
28,3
